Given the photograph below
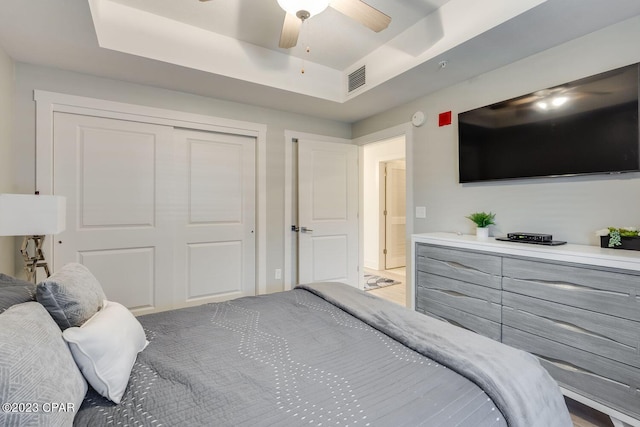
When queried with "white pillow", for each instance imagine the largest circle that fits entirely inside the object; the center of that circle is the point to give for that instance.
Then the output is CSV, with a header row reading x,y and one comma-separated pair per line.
x,y
105,348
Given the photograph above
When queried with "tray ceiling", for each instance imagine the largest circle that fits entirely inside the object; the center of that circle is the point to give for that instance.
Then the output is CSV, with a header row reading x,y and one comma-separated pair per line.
x,y
227,49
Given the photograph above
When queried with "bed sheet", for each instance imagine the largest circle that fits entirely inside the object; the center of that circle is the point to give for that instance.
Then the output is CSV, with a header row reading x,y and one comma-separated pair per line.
x,y
286,359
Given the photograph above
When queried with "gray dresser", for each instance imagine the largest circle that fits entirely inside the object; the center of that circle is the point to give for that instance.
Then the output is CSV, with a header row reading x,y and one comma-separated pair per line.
x,y
461,287
575,307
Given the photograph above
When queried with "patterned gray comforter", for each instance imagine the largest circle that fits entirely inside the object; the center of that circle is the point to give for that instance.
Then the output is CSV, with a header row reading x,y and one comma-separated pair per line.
x,y
287,359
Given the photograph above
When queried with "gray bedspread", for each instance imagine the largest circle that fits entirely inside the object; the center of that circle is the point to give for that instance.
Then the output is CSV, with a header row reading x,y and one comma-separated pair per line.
x,y
522,389
294,358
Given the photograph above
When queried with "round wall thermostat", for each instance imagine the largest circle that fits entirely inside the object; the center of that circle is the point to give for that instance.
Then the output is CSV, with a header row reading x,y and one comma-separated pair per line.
x,y
418,118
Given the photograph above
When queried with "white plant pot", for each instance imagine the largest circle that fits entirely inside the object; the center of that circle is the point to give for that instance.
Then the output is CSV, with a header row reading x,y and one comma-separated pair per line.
x,y
482,232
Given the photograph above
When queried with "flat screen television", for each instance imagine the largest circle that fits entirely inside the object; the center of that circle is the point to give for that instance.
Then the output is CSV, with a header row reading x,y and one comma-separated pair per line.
x,y
587,126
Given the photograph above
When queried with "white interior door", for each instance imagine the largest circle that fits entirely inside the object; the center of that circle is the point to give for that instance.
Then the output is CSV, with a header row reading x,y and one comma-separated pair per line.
x,y
395,214
215,240
115,176
163,217
327,212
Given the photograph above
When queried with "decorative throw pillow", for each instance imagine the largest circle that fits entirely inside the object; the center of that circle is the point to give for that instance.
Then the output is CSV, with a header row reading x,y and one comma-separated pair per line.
x,y
106,347
71,295
36,369
6,280
15,291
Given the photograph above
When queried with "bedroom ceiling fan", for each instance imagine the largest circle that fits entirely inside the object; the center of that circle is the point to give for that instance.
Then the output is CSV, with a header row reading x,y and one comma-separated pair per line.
x,y
300,10
297,11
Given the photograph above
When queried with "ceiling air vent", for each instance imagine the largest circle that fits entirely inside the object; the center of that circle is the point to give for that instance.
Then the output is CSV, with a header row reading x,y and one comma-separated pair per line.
x,y
357,79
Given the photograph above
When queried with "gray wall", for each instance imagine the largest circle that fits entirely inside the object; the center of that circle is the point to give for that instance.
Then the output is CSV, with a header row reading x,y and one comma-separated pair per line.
x,y
7,252
31,77
571,209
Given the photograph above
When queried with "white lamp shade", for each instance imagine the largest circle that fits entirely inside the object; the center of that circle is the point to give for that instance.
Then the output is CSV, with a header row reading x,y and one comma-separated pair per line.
x,y
312,6
27,215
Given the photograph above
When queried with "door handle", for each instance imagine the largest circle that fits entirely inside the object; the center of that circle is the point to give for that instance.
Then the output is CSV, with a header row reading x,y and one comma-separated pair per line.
x,y
305,230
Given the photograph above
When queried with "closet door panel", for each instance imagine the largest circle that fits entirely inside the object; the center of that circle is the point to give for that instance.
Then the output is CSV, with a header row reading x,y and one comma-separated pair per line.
x,y
214,203
115,175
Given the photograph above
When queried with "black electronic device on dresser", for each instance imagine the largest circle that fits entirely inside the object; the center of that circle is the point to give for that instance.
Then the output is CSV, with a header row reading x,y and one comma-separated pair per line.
x,y
535,238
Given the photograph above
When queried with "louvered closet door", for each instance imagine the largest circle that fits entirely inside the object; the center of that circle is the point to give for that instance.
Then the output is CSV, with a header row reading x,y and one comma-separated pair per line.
x,y
116,177
215,238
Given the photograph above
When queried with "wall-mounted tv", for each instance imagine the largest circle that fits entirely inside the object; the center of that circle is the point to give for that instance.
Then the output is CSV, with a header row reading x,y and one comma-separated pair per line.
x,y
586,126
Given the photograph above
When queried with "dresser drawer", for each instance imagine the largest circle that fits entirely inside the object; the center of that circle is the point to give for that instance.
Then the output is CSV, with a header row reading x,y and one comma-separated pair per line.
x,y
601,334
478,300
460,318
471,267
611,292
611,383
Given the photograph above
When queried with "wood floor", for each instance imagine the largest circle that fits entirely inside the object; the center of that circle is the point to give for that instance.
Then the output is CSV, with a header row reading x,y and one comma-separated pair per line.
x,y
581,415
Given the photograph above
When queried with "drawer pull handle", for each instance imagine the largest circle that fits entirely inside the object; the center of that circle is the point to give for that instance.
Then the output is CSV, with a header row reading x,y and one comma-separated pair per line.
x,y
458,266
580,330
574,287
453,322
453,293
456,294
566,366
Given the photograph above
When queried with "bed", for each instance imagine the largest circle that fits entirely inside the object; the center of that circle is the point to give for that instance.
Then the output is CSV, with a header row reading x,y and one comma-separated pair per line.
x,y
321,354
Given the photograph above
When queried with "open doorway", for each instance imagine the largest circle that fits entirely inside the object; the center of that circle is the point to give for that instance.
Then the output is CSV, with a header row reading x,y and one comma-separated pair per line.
x,y
384,218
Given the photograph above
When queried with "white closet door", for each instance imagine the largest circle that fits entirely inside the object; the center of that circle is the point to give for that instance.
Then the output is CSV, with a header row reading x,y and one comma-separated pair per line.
x,y
327,212
214,242
116,177
163,217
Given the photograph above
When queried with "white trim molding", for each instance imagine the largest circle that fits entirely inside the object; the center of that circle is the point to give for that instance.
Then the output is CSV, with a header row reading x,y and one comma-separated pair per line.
x,y
406,130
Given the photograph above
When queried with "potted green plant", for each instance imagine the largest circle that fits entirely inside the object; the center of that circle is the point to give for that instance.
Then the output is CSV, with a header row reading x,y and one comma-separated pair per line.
x,y
482,220
619,238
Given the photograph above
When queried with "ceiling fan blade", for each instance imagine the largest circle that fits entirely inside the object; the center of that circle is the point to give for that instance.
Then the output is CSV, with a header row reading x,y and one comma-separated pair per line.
x,y
290,31
360,11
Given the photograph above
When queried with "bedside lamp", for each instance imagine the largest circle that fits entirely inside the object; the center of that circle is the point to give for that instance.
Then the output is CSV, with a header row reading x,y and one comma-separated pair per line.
x,y
32,216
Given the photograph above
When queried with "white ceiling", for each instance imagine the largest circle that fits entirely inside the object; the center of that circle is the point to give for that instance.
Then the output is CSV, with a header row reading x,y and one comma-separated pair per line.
x,y
227,49
259,22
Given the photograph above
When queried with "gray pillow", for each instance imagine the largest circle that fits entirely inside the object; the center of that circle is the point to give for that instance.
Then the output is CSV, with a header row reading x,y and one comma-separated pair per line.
x,y
36,369
71,295
6,280
15,291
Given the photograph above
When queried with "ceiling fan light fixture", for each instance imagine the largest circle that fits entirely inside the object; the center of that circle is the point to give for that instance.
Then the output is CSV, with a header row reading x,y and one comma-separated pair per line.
x,y
542,105
558,101
313,7
552,103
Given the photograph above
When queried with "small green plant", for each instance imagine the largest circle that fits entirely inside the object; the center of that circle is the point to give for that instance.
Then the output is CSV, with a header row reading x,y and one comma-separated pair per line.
x,y
616,234
482,219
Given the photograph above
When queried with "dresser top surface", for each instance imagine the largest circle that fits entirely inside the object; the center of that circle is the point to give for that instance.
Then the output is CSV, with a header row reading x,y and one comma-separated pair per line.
x,y
582,254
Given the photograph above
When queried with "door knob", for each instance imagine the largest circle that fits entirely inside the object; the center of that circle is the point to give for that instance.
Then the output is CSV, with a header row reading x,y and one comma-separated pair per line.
x,y
305,230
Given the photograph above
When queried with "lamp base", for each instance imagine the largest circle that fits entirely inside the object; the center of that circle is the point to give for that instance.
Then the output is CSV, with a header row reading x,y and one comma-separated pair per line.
x,y
32,262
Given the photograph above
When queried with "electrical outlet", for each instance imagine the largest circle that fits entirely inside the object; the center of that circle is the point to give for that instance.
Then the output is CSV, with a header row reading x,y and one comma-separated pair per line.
x,y
421,212
278,273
